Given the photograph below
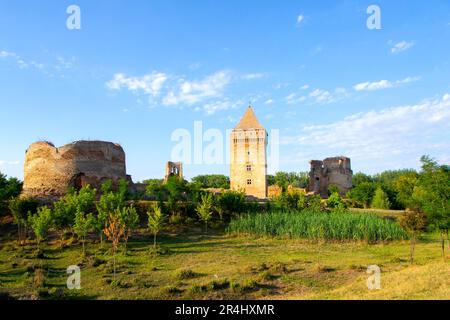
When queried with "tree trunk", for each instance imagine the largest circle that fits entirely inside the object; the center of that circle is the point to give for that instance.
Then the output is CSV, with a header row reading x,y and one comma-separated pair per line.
x,y
413,242
154,240
443,245
114,264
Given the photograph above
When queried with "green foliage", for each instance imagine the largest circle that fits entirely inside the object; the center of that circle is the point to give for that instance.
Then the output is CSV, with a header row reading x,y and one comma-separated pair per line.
x,y
108,202
318,226
155,189
359,178
41,223
404,187
130,220
204,209
315,203
380,200
335,202
230,202
413,221
82,225
21,208
363,193
432,193
66,208
156,221
302,202
123,189
285,179
332,189
106,187
212,181
9,187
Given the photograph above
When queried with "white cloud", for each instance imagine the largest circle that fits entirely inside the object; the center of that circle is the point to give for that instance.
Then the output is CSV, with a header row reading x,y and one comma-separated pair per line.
x,y
191,92
9,163
58,66
211,108
253,76
318,96
149,84
305,87
401,46
395,136
269,102
300,19
383,84
6,54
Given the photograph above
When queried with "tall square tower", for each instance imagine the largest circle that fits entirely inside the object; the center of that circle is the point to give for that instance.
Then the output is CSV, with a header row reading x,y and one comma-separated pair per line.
x,y
248,156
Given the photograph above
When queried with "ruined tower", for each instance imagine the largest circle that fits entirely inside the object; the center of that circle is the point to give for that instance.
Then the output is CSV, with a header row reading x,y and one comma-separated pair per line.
x,y
248,156
173,169
335,171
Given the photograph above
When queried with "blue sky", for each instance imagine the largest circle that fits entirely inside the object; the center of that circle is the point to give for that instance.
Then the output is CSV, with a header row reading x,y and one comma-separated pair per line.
x,y
138,70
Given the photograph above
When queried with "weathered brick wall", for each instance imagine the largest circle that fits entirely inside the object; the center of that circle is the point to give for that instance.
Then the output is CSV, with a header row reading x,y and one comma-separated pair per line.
x,y
51,171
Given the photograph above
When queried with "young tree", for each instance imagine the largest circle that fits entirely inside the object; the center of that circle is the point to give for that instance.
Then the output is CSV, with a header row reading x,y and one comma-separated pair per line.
x,y
335,202
41,222
130,220
82,225
302,202
114,231
380,200
404,187
362,194
413,221
21,209
109,202
204,209
315,203
156,222
9,188
66,208
433,194
231,202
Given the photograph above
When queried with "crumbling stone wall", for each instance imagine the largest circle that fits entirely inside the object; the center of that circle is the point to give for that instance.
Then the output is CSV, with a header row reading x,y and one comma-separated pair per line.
x,y
49,171
331,171
173,169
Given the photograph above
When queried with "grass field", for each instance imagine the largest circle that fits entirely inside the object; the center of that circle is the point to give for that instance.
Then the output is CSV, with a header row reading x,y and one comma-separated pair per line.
x,y
219,266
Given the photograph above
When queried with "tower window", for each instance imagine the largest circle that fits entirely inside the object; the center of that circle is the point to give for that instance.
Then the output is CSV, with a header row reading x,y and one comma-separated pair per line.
x,y
249,167
249,182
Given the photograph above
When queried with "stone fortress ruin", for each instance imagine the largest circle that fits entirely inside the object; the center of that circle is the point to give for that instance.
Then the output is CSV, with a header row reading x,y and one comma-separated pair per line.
x,y
49,171
331,171
173,169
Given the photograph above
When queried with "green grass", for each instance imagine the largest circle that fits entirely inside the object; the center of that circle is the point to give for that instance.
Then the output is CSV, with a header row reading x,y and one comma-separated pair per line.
x,y
219,266
319,226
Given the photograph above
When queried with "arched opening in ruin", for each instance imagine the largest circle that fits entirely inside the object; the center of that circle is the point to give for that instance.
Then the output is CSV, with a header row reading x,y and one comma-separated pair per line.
x,y
76,181
317,184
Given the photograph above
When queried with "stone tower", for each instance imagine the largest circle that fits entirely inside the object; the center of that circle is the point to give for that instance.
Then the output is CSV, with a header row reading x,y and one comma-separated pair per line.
x,y
335,171
248,156
173,169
